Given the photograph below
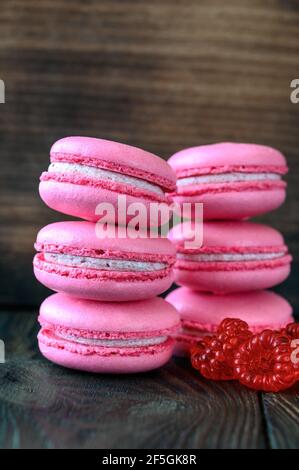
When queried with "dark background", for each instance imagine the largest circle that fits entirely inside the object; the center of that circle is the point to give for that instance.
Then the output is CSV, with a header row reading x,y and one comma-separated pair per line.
x,y
162,75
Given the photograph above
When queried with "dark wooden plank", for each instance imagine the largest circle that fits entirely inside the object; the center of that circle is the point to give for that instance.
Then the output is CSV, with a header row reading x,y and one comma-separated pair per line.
x,y
18,330
162,75
46,406
282,418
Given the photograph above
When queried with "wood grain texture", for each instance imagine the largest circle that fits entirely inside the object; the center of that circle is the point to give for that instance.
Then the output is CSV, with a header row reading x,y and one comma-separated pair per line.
x,y
282,418
46,406
161,75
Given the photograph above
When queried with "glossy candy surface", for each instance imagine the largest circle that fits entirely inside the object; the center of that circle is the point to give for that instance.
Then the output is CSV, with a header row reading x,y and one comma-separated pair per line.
x,y
264,361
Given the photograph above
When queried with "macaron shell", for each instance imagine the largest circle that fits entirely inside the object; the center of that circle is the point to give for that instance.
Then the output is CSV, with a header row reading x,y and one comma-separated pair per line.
x,y
132,320
83,202
115,152
224,282
106,365
87,235
108,290
224,154
236,238
139,317
229,234
230,200
80,238
260,309
235,204
80,196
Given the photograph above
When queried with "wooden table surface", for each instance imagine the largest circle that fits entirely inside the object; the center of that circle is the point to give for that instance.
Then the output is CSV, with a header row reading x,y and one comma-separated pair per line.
x,y
161,75
46,406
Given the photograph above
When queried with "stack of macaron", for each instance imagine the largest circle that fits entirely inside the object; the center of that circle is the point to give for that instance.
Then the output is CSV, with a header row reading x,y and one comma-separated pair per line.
x,y
105,315
226,275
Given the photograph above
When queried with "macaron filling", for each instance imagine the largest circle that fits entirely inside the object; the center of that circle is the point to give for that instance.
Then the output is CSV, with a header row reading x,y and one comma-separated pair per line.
x,y
94,173
233,257
103,264
222,258
105,343
113,343
227,178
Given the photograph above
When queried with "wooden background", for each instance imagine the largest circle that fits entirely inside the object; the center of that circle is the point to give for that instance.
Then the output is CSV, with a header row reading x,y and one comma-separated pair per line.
x,y
162,75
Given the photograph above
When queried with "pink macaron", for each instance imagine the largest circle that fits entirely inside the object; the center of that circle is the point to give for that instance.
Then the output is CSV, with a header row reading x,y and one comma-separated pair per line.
x,y
201,313
85,172
81,260
107,337
233,181
234,257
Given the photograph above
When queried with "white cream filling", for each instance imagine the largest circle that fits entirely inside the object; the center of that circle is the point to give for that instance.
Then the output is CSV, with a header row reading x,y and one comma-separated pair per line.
x,y
107,175
230,256
114,343
227,178
102,264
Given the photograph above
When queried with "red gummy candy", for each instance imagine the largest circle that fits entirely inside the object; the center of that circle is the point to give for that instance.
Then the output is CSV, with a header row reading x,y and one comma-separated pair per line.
x,y
232,332
292,330
233,327
209,359
214,357
264,362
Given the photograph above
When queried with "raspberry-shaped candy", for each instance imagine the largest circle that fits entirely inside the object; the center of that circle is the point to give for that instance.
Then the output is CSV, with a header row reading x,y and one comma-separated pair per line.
x,y
233,327
292,330
215,355
263,362
232,332
209,359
